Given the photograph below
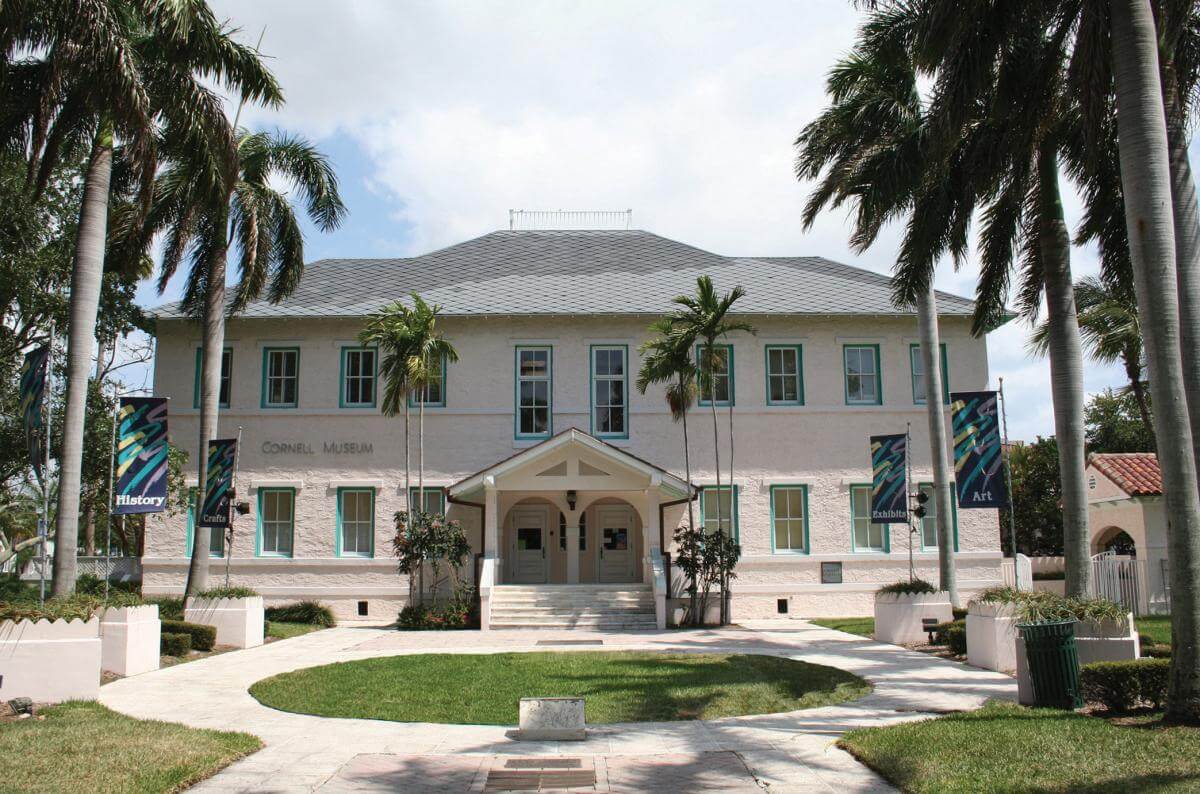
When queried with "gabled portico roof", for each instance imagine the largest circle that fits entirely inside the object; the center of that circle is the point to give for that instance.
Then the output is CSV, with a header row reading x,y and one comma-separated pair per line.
x,y
574,459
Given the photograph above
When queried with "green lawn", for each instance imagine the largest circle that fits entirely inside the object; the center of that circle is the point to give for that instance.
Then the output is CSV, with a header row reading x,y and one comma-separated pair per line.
x,y
864,627
619,687
281,631
1156,627
82,746
1006,748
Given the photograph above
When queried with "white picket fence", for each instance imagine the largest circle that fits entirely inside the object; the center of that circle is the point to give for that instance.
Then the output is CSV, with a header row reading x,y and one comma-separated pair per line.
x,y
1121,579
1019,575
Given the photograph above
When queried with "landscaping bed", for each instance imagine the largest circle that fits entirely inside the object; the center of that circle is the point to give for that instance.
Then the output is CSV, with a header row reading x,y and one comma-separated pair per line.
x,y
82,746
1004,747
619,687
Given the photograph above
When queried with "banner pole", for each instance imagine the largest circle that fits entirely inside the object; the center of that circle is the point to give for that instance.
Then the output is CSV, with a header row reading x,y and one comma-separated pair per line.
x,y
49,409
912,530
237,457
1012,516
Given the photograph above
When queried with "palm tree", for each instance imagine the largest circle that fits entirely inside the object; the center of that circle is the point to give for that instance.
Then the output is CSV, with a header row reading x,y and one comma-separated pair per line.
x,y
109,70
203,211
428,354
1108,324
704,318
667,358
391,330
871,146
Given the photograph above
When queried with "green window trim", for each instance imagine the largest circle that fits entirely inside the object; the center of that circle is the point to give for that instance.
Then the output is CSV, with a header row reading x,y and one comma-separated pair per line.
x,y
338,533
887,528
799,374
258,528
226,378
414,402
430,490
914,355
191,528
624,378
374,378
779,487
729,375
704,489
267,351
953,514
517,380
878,374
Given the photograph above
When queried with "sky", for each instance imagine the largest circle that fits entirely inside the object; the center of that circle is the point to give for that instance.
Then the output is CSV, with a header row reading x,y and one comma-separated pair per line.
x,y
440,117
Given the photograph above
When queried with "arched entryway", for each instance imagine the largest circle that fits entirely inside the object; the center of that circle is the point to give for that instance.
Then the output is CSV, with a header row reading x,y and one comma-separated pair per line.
x,y
1115,540
537,532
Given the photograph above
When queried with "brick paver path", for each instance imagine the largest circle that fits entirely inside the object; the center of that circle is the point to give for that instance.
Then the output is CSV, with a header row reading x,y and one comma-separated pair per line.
x,y
789,751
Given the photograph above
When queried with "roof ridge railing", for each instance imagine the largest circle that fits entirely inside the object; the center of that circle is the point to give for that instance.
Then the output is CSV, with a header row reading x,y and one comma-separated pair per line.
x,y
569,219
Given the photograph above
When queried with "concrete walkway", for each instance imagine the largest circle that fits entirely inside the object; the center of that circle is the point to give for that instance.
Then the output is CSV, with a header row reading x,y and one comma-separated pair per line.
x,y
776,751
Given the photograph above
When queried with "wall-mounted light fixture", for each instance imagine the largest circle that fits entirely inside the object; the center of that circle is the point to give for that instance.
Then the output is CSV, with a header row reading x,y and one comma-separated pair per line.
x,y
572,497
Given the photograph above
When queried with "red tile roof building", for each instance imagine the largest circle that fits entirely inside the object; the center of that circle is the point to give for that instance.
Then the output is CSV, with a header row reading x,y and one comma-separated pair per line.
x,y
1135,473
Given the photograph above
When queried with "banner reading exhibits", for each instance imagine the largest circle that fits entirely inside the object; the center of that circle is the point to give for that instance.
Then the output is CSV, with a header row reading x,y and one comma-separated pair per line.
x,y
978,463
141,455
889,483
218,489
31,390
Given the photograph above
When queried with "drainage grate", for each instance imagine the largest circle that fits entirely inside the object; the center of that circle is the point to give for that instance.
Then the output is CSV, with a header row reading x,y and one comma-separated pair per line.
x,y
569,642
538,780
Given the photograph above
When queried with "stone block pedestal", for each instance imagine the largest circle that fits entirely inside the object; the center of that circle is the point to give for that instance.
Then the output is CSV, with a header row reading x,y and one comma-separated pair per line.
x,y
552,719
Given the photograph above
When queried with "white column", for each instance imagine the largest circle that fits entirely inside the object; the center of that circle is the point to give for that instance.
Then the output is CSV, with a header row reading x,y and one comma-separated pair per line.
x,y
572,541
653,521
491,519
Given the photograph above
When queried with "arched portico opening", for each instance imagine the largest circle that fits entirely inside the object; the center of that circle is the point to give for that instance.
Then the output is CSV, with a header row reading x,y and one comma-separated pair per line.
x,y
1116,540
539,530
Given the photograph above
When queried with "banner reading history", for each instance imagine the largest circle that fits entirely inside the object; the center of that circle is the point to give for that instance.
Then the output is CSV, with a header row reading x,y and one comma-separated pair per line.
x,y
889,481
30,392
218,488
141,464
978,462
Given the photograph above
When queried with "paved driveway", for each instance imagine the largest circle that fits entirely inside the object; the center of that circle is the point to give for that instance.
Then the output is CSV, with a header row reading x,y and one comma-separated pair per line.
x,y
774,751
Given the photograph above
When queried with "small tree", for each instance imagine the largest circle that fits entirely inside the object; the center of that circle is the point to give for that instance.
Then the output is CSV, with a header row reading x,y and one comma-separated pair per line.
x,y
688,557
426,539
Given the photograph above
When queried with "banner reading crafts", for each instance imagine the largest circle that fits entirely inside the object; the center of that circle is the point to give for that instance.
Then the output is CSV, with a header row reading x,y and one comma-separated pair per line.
x,y
141,455
978,463
889,483
218,489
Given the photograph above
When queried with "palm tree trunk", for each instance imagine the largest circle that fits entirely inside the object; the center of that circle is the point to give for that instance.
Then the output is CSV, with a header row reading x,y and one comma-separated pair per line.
x,y
210,394
712,403
687,469
931,360
1066,374
1133,372
1146,182
86,276
421,479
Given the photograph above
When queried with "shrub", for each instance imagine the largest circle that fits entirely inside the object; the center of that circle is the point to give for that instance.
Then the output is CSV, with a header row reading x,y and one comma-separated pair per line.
x,y
168,608
956,637
1121,686
90,584
1035,606
203,637
1049,576
907,587
1155,650
959,614
228,592
302,612
75,607
175,644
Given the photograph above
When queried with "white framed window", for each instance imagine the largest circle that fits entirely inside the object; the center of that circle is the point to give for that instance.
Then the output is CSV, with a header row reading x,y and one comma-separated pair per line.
x,y
785,375
356,521
534,392
917,363
281,377
866,534
276,521
358,377
610,391
789,517
862,375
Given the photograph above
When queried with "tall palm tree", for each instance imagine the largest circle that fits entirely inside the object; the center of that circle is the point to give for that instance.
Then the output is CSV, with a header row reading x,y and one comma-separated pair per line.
x,y
705,318
203,212
870,147
1108,324
429,353
105,71
667,358
391,330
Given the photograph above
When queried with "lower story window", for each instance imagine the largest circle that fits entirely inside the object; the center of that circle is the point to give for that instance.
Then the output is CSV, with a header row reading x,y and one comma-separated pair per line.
x,y
277,513
718,510
430,500
356,515
789,515
216,535
868,535
929,538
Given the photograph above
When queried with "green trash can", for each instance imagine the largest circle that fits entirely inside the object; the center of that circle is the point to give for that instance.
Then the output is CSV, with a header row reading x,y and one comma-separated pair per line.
x,y
1053,663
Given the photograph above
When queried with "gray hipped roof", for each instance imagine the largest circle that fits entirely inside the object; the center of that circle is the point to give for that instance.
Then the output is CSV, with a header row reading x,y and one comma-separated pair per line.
x,y
561,272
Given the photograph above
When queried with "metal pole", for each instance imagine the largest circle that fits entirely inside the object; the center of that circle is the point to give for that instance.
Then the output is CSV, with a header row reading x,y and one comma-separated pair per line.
x,y
44,529
112,457
1012,517
237,456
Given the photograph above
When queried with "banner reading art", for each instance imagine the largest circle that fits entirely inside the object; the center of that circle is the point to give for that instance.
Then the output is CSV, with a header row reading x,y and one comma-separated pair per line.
x,y
30,392
978,463
889,483
218,489
141,456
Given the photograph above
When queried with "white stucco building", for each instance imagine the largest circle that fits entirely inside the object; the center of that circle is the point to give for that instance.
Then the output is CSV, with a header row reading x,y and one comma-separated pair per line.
x,y
539,442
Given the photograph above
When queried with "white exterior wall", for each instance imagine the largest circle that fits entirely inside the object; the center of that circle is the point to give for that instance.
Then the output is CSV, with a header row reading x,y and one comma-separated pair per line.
x,y
822,444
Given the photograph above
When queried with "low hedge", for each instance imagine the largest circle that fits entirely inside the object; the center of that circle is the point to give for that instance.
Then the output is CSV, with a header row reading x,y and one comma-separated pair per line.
x,y
309,612
228,592
1049,576
203,637
1121,686
168,608
175,644
952,634
908,587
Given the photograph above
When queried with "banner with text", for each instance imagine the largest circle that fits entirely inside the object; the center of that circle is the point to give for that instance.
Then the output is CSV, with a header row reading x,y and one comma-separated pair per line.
x,y
30,392
889,481
978,462
141,456
218,489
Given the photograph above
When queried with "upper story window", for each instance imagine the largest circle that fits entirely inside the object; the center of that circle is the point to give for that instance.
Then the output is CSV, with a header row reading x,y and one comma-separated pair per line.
x,y
226,377
866,534
789,517
276,520
534,391
356,522
715,510
862,375
281,377
722,378
918,374
785,375
358,377
610,391
433,393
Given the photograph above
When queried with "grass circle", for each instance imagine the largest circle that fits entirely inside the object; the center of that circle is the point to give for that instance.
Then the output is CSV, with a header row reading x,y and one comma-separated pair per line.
x,y
618,686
